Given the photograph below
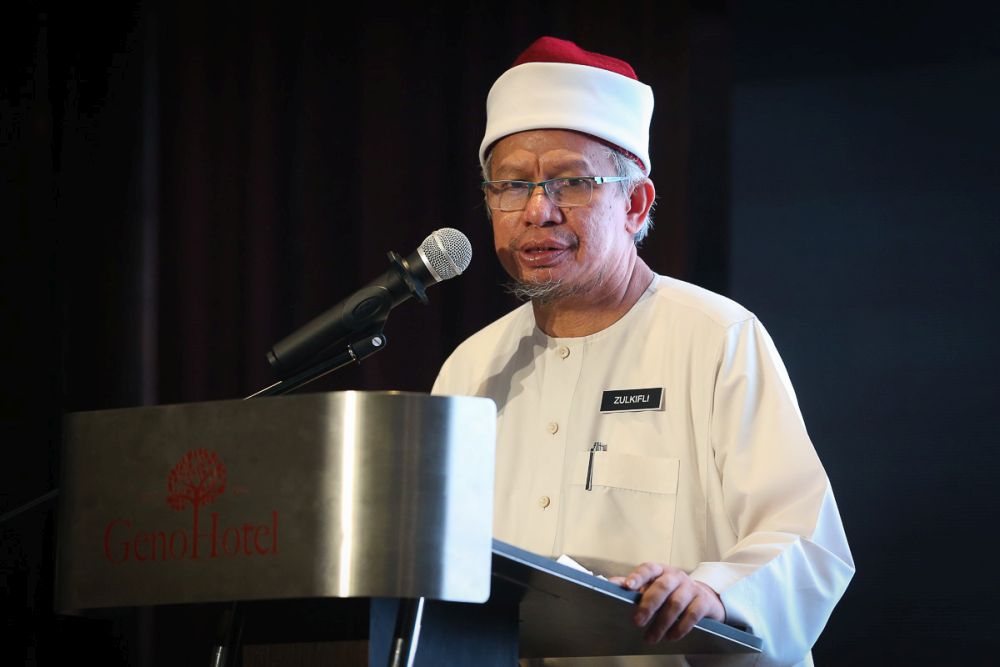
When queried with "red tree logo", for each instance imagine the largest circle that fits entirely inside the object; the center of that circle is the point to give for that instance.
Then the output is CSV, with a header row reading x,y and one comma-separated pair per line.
x,y
197,479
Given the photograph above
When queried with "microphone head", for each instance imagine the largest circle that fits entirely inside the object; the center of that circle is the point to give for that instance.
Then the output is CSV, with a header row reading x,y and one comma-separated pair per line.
x,y
446,252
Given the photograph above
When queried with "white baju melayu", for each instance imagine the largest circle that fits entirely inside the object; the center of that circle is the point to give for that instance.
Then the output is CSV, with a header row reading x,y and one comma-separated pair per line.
x,y
719,478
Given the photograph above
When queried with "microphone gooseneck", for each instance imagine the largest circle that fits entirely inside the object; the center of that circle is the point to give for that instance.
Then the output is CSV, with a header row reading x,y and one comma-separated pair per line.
x,y
444,254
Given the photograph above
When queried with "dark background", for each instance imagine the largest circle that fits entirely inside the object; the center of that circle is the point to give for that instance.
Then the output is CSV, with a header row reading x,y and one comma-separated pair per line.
x,y
182,185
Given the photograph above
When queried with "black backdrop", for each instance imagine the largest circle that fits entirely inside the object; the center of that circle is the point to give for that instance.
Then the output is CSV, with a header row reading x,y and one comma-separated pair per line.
x,y
183,185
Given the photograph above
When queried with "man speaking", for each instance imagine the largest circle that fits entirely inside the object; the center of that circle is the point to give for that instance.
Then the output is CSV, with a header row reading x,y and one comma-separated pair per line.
x,y
646,427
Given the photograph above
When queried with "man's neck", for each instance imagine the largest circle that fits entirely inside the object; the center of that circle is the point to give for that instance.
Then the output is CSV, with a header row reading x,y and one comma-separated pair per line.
x,y
596,310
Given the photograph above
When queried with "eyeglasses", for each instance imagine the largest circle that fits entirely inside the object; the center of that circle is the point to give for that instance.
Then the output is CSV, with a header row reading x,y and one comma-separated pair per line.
x,y
563,192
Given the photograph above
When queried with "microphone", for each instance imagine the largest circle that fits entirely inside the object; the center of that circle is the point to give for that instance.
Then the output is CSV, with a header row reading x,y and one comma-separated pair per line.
x,y
444,254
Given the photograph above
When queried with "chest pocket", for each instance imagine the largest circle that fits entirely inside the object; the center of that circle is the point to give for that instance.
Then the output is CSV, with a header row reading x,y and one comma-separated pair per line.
x,y
627,517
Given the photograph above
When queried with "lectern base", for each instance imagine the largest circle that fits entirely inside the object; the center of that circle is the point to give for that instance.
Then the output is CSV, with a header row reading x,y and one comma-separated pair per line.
x,y
452,633
325,654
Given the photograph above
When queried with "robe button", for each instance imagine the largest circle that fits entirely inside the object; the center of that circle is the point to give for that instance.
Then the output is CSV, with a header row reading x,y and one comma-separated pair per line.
x,y
552,427
544,502
563,351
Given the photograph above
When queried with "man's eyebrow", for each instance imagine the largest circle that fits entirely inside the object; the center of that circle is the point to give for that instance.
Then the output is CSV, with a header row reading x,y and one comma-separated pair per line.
x,y
511,169
556,168
576,166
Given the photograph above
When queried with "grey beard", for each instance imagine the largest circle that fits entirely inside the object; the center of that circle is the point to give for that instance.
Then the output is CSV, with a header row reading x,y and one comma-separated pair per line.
x,y
547,292
544,293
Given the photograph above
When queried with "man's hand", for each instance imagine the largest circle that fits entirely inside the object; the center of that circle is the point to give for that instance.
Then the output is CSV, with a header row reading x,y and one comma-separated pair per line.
x,y
672,602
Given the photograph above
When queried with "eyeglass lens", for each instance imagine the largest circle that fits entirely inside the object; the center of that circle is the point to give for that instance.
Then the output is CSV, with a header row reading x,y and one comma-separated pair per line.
x,y
514,195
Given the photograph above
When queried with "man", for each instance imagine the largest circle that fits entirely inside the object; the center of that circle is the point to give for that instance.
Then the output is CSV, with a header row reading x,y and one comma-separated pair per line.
x,y
646,427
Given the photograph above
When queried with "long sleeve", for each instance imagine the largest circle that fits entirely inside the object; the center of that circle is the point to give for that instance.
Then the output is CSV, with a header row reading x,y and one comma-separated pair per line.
x,y
790,563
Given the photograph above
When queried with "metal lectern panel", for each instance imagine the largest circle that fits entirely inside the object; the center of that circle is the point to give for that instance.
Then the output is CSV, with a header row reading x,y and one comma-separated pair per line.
x,y
347,494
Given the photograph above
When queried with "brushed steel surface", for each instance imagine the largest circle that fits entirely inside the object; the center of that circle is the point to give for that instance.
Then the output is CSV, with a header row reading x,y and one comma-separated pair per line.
x,y
346,494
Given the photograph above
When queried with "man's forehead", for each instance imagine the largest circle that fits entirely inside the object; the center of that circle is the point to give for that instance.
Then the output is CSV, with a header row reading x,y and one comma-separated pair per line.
x,y
563,149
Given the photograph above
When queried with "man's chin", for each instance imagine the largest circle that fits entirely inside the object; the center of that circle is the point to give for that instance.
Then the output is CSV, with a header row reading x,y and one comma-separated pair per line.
x,y
539,292
544,292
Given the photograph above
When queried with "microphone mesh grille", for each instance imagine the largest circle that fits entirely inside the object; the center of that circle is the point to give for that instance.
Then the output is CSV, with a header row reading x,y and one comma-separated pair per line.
x,y
448,251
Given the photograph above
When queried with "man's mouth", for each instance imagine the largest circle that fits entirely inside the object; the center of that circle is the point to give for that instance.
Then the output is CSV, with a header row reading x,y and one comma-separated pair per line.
x,y
543,252
542,255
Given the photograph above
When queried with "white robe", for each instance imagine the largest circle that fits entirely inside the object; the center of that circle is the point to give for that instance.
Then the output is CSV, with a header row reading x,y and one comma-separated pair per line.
x,y
721,481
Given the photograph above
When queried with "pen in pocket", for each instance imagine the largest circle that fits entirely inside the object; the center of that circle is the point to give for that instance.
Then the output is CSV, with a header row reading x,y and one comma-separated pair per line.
x,y
598,447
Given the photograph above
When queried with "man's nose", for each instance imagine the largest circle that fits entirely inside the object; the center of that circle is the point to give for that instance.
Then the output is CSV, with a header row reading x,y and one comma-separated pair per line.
x,y
540,210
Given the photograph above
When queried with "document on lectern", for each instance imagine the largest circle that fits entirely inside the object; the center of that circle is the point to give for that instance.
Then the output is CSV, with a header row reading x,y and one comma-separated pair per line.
x,y
566,612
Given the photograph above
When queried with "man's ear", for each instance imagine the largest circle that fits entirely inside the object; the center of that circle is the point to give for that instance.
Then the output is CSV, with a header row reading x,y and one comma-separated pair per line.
x,y
639,203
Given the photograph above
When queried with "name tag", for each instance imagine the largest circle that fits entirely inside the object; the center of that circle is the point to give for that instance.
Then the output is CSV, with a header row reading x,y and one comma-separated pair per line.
x,y
632,400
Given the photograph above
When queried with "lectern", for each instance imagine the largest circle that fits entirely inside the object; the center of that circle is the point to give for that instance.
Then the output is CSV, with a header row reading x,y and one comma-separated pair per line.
x,y
339,503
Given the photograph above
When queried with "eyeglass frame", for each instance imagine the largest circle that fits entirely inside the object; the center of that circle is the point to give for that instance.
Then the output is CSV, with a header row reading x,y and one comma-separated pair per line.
x,y
594,180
